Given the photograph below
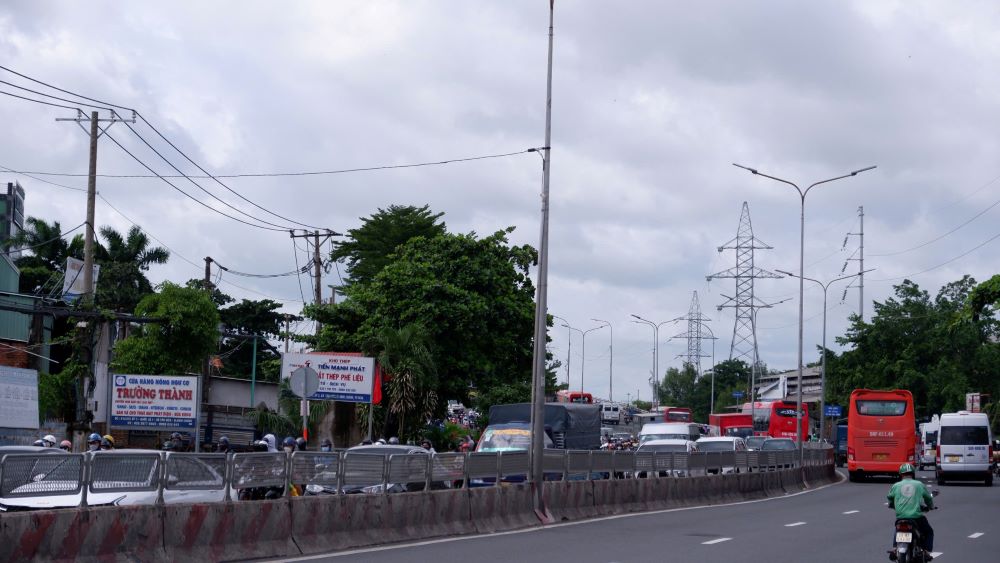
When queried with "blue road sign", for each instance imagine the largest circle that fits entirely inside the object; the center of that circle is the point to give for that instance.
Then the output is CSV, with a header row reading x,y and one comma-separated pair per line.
x,y
737,394
833,410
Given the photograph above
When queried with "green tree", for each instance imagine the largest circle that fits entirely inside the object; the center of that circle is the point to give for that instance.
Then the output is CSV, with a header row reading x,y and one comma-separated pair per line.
x,y
368,248
41,264
178,343
409,377
122,282
241,322
472,295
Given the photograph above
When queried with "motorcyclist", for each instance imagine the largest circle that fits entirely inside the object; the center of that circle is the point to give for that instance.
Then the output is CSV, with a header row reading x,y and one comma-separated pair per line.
x,y
106,445
288,445
110,440
50,441
906,496
178,441
94,442
393,440
326,445
39,444
271,441
66,446
223,446
300,444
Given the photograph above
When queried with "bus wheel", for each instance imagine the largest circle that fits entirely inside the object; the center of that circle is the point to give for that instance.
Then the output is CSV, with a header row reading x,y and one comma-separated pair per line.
x,y
853,476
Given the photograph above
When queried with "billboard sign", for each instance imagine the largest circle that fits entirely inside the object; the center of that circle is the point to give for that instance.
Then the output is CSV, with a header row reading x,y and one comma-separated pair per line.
x,y
73,286
154,402
972,402
342,377
18,398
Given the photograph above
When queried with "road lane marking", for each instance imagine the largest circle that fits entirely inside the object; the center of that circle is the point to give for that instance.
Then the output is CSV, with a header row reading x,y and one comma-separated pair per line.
x,y
975,535
455,539
793,524
936,554
852,512
715,541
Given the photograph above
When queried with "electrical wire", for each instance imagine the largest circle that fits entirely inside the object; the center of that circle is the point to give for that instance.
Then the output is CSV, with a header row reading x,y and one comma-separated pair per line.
x,y
54,97
28,175
151,235
51,240
295,251
189,196
38,101
945,263
246,275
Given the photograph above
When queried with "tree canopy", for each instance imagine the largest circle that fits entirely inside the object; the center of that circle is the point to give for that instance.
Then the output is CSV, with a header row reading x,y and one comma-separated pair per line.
x,y
367,249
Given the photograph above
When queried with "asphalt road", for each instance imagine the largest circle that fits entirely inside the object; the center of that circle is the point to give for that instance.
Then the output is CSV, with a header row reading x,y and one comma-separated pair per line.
x,y
841,522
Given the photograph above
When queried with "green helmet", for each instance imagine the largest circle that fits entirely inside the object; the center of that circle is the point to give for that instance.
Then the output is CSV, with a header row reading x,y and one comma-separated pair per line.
x,y
906,468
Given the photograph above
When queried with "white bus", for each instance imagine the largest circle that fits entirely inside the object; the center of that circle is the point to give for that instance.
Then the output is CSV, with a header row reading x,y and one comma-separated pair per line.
x,y
928,441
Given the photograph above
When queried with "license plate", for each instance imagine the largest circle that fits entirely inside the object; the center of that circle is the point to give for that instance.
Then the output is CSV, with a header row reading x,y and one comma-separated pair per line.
x,y
880,457
953,458
904,537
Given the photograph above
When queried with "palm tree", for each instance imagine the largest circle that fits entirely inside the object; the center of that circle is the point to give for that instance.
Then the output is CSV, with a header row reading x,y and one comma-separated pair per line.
x,y
47,252
122,283
408,374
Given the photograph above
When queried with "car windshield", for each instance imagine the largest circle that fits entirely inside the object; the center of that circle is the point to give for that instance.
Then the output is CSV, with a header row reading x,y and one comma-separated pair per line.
x,y
715,446
507,439
964,436
755,441
648,437
660,448
778,445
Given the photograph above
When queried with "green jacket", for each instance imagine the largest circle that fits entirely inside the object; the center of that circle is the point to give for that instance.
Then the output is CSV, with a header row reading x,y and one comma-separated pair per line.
x,y
907,496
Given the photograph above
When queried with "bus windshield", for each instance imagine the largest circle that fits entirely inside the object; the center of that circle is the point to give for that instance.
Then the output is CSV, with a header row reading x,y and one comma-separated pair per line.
x,y
678,416
880,407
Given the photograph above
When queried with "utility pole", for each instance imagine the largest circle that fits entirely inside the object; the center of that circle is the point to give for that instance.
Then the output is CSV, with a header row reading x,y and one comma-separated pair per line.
x,y
87,298
206,367
288,330
318,300
861,263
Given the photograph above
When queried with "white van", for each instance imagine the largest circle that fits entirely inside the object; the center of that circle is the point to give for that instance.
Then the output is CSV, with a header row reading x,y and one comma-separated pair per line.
x,y
927,449
964,447
669,431
611,413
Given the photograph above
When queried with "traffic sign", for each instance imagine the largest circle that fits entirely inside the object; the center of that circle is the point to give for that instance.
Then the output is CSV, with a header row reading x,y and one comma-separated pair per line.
x,y
833,410
737,394
304,381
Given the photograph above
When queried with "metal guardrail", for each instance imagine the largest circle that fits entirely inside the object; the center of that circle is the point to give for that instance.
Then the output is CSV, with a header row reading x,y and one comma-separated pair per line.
x,y
82,475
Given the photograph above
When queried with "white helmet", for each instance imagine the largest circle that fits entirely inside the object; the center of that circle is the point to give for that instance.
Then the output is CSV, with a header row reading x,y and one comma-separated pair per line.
x,y
50,441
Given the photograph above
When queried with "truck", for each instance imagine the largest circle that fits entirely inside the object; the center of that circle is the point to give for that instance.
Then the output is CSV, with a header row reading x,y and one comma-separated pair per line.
x,y
571,426
731,424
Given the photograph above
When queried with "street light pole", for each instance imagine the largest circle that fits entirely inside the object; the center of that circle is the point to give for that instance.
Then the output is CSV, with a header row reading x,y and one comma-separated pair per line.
x,y
611,361
583,353
656,354
822,369
802,265
569,345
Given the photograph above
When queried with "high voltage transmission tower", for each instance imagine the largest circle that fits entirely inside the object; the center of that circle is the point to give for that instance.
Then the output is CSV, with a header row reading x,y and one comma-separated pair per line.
x,y
857,256
695,334
744,344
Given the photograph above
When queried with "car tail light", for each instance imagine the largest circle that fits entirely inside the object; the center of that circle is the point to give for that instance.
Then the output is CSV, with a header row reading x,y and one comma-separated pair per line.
x,y
903,527
850,453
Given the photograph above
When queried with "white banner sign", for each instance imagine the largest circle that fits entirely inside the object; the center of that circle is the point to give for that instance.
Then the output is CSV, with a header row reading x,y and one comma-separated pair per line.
x,y
18,398
341,377
154,402
73,286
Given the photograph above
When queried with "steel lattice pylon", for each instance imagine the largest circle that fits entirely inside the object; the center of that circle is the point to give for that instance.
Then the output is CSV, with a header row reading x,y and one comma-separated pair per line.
x,y
694,335
744,344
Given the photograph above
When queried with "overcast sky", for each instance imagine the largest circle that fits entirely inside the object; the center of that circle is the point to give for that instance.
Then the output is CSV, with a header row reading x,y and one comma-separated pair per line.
x,y
652,103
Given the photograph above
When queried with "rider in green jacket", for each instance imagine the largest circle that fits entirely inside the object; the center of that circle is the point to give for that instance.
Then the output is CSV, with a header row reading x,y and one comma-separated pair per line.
x,y
907,496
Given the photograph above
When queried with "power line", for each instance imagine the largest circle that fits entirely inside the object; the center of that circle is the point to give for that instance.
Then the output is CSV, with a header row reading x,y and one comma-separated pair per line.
x,y
38,101
53,97
157,131
246,275
51,240
946,262
296,173
28,175
189,196
295,251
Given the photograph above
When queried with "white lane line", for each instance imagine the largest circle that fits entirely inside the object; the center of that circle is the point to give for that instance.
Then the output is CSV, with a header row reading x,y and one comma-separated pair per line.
x,y
936,554
715,541
793,524
975,535
852,512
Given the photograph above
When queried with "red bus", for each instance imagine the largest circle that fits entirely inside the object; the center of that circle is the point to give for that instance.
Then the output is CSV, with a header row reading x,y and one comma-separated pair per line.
x,y
881,432
675,414
776,418
565,396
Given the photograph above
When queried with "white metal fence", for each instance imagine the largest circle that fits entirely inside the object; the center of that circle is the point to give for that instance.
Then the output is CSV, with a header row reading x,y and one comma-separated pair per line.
x,y
86,479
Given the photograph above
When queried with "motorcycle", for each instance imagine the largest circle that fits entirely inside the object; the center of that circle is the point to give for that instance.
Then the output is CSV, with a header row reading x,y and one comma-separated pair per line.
x,y
907,544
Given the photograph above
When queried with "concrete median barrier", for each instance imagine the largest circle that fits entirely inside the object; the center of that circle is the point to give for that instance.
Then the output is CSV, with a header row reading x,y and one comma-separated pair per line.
x,y
570,500
501,508
92,534
238,530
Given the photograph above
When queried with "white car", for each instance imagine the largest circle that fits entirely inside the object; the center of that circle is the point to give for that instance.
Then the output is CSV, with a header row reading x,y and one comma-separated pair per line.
x,y
52,474
675,446
722,444
964,444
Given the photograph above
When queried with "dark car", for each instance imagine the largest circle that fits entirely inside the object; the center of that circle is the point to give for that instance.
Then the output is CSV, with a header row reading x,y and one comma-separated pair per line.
x,y
754,442
777,445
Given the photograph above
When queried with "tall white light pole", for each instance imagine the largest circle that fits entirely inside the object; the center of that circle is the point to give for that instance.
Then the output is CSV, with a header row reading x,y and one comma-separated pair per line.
x,y
656,354
583,352
822,369
802,267
541,305
569,344
611,360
